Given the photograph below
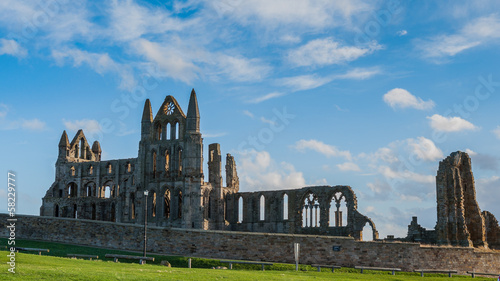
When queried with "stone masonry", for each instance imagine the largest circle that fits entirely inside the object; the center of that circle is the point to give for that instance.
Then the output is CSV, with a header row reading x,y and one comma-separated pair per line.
x,y
271,247
170,167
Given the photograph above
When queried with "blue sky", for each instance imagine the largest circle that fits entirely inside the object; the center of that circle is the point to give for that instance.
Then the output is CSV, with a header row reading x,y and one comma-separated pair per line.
x,y
371,94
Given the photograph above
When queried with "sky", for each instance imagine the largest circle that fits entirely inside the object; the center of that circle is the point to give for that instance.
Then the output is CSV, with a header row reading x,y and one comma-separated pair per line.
x,y
370,94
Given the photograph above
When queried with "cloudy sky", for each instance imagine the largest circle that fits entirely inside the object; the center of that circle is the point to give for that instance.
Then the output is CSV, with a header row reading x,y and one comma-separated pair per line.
x,y
371,94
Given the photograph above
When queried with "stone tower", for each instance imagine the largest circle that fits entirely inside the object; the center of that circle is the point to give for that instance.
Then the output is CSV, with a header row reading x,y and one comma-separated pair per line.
x,y
169,166
459,218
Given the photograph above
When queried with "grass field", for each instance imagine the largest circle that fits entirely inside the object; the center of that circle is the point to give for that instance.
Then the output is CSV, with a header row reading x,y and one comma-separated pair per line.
x,y
54,266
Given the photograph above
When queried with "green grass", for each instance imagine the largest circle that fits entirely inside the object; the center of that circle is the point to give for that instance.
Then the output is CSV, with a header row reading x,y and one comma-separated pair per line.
x,y
54,266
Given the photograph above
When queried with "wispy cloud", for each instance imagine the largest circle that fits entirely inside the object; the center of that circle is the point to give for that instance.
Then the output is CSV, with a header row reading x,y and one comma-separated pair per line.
x,y
326,51
311,81
248,113
11,47
323,148
496,132
348,166
88,126
477,32
266,97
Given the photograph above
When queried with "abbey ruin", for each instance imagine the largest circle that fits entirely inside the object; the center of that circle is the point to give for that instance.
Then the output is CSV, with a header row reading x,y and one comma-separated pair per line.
x,y
170,167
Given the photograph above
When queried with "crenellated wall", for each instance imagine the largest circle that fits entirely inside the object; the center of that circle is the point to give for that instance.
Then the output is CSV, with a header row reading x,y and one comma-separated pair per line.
x,y
254,246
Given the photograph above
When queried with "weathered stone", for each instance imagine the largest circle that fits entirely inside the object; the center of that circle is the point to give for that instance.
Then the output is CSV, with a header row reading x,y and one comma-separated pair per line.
x,y
170,166
166,263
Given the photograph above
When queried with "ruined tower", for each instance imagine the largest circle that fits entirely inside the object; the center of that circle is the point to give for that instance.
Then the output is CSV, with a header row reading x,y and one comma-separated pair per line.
x,y
459,218
169,166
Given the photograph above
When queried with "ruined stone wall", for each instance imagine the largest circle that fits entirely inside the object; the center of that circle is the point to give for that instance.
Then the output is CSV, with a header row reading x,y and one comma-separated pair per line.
x,y
492,230
459,218
309,210
254,246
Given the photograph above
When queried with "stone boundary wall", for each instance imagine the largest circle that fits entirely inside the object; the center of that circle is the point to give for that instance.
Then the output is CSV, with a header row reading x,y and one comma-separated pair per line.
x,y
270,247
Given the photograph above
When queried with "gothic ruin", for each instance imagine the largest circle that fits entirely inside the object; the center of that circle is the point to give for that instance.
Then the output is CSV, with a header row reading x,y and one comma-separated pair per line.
x,y
170,167
459,218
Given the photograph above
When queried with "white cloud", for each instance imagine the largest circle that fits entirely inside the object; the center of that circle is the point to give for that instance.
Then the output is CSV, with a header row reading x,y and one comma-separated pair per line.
x,y
299,14
258,171
401,98
214,135
450,124
242,69
325,149
320,52
267,121
11,47
248,113
402,32
496,132
348,166
389,173
358,74
305,82
33,125
88,126
170,60
100,63
266,97
477,32
425,149
470,152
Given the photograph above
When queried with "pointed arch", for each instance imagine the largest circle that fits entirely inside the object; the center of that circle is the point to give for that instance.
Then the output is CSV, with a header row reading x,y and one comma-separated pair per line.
x,y
154,164
240,209
168,131
166,204
153,204
56,211
179,205
167,160
262,208
310,210
285,206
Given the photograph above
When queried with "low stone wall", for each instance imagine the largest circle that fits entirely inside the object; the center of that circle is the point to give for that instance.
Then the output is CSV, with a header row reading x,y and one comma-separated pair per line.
x,y
254,246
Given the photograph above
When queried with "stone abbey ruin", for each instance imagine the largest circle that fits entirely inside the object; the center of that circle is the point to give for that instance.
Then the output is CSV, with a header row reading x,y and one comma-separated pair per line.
x,y
170,166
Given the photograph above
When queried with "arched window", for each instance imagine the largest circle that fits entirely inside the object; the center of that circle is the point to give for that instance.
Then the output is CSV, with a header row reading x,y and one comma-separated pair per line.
x,y
179,205
132,205
285,207
153,205
107,191
60,193
129,167
89,190
338,210
168,131
82,147
177,132
367,234
310,211
91,170
56,211
72,171
240,209
77,148
166,204
180,159
110,168
154,164
167,160
262,209
158,132
72,190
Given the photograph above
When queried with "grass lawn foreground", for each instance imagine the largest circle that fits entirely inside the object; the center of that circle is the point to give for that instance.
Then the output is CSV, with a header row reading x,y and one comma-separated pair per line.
x,y
55,266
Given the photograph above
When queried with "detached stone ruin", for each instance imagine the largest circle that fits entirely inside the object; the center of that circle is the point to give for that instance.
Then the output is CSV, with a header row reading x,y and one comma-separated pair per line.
x,y
460,221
